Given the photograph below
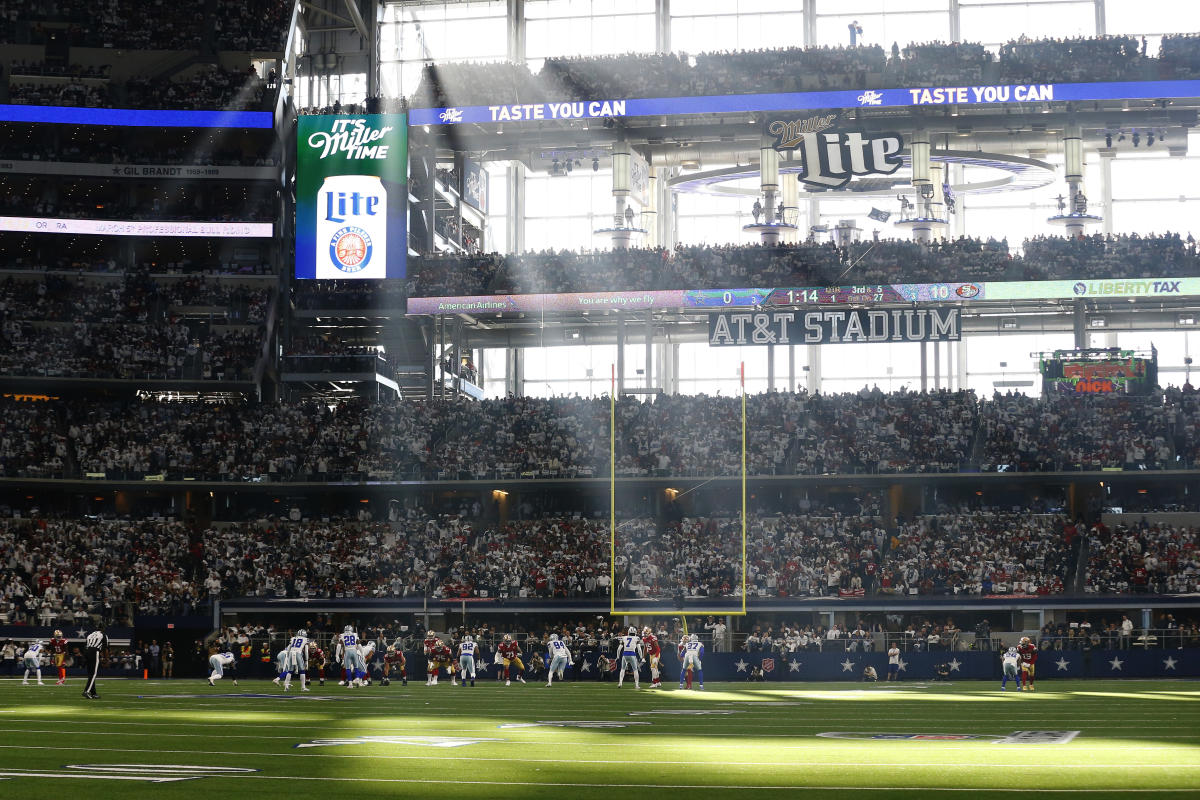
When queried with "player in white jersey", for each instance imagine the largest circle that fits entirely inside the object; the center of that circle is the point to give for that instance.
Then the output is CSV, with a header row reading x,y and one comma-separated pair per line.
x,y
466,658
1010,659
33,661
367,649
297,661
630,650
690,653
352,659
281,665
560,658
218,662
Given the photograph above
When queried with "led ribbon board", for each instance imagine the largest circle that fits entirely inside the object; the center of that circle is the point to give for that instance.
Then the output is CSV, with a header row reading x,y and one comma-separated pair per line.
x,y
351,196
135,118
794,101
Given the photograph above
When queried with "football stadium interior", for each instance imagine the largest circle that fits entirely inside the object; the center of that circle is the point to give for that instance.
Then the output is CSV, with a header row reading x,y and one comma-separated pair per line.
x,y
420,396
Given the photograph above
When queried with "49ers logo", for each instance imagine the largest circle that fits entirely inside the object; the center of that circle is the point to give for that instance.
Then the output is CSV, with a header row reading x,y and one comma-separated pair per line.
x,y
350,249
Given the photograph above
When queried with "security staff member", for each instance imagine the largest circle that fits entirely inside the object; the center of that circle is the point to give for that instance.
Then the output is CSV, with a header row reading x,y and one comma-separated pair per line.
x,y
96,643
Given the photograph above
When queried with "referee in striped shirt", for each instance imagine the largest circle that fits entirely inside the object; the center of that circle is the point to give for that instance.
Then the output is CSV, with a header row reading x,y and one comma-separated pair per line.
x,y
96,643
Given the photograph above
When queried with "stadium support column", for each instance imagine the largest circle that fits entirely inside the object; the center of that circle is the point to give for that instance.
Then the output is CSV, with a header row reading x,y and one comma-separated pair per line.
x,y
649,349
516,31
650,212
620,354
1079,325
770,226
1106,193
924,367
515,177
814,369
662,26
770,368
927,210
621,231
1073,215
790,189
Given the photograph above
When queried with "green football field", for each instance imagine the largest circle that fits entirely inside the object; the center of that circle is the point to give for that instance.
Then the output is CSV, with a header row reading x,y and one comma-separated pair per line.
x,y
1098,738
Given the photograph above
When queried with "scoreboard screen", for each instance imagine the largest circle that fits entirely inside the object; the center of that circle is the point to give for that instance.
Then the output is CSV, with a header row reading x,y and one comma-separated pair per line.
x,y
1099,371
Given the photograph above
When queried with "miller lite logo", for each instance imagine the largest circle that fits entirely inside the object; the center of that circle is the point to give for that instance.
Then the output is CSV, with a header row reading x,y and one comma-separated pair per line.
x,y
870,98
831,159
352,227
451,115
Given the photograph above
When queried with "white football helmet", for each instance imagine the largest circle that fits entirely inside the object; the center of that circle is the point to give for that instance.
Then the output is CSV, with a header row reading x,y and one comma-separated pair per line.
x,y
633,630
348,629
467,638
693,638
302,632
554,637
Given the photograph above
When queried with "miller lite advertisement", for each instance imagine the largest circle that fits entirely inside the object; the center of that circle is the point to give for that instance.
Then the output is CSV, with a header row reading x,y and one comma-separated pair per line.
x,y
351,197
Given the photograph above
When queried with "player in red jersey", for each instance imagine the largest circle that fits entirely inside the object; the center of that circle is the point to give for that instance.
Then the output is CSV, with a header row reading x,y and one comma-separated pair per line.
x,y
510,653
316,657
1028,652
431,643
58,655
441,657
394,659
654,653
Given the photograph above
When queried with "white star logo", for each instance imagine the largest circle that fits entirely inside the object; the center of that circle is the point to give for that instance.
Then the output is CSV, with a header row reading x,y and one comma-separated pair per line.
x,y
377,664
80,632
1116,663
847,665
903,664
1063,664
587,667
741,665
793,666
1169,663
954,664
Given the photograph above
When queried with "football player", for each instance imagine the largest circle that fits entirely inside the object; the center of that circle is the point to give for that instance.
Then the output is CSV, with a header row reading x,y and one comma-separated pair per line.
x,y
317,656
466,658
1009,660
630,648
560,658
368,652
352,660
281,665
297,661
442,658
58,655
510,654
690,653
394,659
1029,655
654,654
431,643
33,662
218,662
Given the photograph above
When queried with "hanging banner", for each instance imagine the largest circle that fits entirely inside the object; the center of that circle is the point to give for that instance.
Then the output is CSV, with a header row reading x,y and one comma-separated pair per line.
x,y
639,179
475,185
351,196
835,327
832,158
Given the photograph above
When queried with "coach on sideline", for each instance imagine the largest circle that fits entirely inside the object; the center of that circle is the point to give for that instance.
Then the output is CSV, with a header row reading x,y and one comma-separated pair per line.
x,y
96,643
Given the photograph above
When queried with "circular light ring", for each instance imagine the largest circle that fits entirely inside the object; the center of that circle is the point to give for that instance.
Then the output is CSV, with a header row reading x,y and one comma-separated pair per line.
x,y
1021,174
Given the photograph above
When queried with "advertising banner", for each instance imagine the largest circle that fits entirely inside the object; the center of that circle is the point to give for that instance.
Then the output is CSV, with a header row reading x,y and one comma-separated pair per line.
x,y
351,197
475,185
834,327
136,118
117,227
799,101
177,171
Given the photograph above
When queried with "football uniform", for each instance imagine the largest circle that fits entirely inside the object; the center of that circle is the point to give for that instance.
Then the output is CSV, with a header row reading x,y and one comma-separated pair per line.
x,y
58,651
218,662
1009,660
630,648
297,662
466,661
352,658
510,654
317,656
560,659
1029,655
654,654
690,655
33,662
394,659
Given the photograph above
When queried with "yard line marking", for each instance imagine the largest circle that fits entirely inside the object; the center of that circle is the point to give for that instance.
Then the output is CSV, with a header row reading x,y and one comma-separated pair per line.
x,y
507,759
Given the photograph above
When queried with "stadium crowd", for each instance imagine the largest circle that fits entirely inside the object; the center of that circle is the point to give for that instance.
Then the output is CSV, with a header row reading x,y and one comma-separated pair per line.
x,y
60,570
809,264
866,432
